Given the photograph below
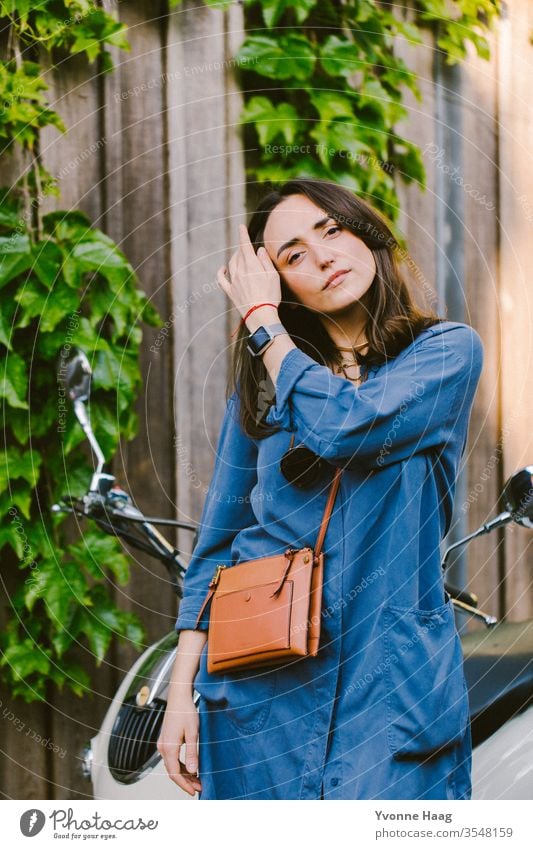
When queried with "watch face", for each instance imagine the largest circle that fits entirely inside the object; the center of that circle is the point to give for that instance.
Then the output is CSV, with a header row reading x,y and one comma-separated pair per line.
x,y
258,339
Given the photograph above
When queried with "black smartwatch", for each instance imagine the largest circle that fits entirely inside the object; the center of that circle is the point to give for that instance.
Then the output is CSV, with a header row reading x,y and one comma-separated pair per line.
x,y
261,338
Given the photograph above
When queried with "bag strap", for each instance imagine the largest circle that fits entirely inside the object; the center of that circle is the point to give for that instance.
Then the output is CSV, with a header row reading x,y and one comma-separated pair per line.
x,y
327,512
328,508
210,593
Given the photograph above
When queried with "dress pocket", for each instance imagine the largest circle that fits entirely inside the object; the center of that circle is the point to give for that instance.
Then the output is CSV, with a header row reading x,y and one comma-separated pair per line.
x,y
427,698
250,693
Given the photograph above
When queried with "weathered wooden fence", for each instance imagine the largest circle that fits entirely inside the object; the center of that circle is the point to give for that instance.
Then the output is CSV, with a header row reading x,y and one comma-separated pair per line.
x,y
153,156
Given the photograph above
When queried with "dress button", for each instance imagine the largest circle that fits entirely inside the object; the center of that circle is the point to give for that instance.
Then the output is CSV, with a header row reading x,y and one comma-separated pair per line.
x,y
334,781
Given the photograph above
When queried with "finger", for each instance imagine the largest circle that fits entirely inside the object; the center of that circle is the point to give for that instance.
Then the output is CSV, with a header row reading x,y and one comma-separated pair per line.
x,y
189,785
172,762
193,781
184,785
177,772
222,280
244,236
191,777
232,264
191,756
245,244
264,258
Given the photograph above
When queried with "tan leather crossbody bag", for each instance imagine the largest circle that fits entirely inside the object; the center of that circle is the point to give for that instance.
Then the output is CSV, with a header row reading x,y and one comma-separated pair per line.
x,y
267,609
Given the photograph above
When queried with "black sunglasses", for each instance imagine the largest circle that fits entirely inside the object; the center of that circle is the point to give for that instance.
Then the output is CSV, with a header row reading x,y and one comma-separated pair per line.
x,y
301,467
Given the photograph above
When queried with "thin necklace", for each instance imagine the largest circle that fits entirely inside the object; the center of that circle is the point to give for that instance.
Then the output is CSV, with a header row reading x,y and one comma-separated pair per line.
x,y
352,347
341,368
341,365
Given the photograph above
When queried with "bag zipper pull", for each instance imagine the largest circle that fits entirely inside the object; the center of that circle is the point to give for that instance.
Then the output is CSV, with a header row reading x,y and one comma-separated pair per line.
x,y
289,554
210,592
216,577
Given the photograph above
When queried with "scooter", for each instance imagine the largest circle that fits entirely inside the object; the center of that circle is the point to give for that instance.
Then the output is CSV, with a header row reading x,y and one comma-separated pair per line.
x,y
122,760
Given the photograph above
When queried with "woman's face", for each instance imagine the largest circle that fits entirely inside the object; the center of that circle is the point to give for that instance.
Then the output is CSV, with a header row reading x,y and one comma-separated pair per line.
x,y
307,248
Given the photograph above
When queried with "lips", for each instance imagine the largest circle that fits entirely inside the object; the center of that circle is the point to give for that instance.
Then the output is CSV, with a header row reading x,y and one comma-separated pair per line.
x,y
336,278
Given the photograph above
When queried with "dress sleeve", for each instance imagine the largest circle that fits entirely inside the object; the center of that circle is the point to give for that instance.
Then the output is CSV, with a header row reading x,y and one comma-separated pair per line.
x,y
411,405
226,511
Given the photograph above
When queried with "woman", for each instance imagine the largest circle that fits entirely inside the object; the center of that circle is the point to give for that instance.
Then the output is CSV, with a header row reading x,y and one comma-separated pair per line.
x,y
367,381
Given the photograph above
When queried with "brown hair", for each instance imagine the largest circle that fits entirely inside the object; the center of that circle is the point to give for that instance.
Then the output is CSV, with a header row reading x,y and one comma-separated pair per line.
x,y
393,318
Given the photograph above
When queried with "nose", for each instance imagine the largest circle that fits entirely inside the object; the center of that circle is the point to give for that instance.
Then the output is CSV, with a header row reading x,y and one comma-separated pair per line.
x,y
324,255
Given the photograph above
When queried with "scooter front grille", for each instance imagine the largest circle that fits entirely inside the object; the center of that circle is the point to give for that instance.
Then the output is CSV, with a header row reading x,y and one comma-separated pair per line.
x,y
133,743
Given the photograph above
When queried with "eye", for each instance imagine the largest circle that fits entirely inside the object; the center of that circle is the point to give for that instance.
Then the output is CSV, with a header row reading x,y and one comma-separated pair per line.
x,y
289,261
334,228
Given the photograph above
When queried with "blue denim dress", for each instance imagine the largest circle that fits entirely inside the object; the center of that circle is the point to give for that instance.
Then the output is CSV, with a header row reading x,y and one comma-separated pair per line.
x,y
382,711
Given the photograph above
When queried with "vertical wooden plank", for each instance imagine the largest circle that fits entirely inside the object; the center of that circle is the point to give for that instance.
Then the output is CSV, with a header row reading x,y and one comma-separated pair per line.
x,y
417,215
516,318
478,181
135,214
206,203
75,159
236,179
476,178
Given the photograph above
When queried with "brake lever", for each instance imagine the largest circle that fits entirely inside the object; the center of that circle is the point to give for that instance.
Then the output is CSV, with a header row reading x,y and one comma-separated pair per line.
x,y
63,506
113,508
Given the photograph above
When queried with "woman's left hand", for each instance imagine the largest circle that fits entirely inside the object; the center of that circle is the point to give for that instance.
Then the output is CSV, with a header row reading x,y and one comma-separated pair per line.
x,y
253,277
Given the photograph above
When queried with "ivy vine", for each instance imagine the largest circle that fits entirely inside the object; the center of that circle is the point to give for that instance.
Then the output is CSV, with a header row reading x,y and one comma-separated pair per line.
x,y
65,284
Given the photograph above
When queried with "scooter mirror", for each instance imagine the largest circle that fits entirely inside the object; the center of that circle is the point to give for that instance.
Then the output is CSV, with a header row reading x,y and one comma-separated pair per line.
x,y
518,496
78,377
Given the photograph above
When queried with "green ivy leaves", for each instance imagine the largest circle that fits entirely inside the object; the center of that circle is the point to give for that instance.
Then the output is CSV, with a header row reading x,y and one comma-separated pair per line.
x,y
71,288
460,22
271,122
24,106
273,10
15,256
77,27
14,381
341,88
286,57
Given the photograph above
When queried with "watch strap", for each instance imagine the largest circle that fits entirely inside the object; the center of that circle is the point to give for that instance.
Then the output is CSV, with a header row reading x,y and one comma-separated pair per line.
x,y
272,330
276,328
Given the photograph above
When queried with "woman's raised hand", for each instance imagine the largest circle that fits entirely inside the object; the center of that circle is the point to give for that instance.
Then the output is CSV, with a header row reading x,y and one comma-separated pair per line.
x,y
253,278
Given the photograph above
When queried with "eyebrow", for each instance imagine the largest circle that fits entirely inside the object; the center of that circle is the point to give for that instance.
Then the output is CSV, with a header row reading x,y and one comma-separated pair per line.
x,y
316,226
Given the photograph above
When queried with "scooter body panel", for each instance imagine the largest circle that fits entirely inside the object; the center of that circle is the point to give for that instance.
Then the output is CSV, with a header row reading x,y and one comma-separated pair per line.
x,y
152,783
502,766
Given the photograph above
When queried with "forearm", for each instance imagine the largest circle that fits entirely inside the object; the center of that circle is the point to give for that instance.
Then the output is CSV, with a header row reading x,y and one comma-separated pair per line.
x,y
281,344
186,664
414,404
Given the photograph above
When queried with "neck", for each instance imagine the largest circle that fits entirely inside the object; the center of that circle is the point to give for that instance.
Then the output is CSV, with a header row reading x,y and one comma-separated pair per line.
x,y
346,329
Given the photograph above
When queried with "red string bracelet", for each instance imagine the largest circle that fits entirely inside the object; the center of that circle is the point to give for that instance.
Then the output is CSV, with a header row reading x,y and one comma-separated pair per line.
x,y
243,319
